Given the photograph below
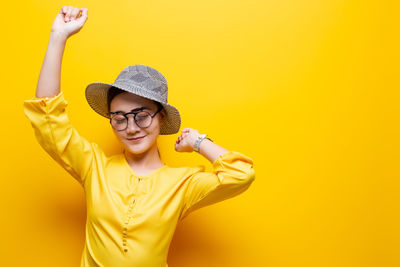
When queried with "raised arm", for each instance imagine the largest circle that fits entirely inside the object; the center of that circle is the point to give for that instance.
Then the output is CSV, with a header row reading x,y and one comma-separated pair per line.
x,y
47,111
68,22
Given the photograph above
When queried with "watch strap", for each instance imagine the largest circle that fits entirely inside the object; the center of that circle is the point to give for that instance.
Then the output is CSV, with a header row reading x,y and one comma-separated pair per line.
x,y
198,141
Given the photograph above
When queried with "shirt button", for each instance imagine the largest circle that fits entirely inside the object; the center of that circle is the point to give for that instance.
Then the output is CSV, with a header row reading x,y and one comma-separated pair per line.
x,y
125,250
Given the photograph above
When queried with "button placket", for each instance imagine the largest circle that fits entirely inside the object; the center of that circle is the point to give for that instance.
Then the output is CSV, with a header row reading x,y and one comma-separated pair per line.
x,y
129,216
125,229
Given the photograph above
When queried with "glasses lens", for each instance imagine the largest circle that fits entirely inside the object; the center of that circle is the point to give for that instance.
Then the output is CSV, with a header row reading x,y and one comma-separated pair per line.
x,y
118,122
143,119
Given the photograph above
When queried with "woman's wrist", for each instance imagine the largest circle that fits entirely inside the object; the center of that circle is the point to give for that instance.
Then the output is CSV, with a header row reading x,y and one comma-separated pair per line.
x,y
200,138
58,37
202,144
211,150
198,141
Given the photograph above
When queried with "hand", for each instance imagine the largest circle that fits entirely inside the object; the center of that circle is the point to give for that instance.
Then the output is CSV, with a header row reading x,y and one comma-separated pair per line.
x,y
185,142
69,21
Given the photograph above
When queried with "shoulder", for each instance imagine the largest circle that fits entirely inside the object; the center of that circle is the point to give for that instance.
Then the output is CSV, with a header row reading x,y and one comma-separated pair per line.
x,y
182,173
185,170
115,159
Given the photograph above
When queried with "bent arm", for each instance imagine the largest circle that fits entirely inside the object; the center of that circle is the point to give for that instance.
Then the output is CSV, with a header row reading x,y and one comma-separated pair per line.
x,y
232,175
211,150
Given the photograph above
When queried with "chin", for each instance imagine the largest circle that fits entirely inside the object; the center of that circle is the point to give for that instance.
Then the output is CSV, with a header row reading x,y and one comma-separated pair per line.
x,y
136,149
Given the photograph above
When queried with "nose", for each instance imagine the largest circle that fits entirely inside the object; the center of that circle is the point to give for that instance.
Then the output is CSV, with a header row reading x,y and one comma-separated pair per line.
x,y
132,126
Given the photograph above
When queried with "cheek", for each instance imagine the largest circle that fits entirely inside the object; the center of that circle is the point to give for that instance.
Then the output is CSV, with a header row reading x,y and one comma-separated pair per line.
x,y
153,131
155,126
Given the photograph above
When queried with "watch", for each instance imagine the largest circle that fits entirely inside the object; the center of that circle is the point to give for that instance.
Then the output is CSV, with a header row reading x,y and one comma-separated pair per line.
x,y
198,141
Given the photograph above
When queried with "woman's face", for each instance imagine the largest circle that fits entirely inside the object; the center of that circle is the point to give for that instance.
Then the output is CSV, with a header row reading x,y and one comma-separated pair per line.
x,y
125,102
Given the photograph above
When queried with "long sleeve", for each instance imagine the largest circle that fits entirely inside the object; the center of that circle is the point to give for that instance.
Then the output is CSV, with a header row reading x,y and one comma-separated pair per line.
x,y
233,174
58,137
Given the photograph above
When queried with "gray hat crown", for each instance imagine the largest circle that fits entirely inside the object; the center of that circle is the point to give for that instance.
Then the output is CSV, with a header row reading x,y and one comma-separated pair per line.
x,y
146,78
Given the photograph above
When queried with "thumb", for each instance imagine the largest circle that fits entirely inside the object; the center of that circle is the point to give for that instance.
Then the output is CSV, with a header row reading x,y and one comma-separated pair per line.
x,y
82,19
176,147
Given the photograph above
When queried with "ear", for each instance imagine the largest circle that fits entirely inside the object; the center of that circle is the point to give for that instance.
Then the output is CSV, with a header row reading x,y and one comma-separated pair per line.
x,y
163,114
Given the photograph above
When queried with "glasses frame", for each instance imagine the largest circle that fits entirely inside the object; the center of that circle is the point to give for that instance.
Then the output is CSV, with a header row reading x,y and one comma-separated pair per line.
x,y
110,115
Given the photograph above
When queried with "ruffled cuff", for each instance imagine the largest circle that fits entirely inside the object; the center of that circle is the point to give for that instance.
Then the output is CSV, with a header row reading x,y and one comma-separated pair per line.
x,y
236,164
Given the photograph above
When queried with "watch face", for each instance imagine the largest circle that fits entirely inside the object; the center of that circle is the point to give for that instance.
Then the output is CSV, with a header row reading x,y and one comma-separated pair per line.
x,y
198,141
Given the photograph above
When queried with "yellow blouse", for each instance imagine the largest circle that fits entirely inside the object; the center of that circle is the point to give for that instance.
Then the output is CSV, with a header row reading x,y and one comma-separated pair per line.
x,y
131,218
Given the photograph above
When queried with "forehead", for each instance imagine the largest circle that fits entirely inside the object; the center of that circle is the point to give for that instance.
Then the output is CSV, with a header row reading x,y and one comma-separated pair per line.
x,y
127,101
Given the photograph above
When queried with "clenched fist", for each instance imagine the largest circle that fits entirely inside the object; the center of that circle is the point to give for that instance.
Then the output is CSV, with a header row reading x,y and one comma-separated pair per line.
x,y
185,142
69,21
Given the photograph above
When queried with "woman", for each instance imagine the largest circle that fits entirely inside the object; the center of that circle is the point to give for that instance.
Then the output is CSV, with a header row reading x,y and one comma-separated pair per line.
x,y
134,200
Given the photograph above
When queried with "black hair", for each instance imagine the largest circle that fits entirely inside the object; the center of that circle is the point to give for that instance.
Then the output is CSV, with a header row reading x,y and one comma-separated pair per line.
x,y
114,91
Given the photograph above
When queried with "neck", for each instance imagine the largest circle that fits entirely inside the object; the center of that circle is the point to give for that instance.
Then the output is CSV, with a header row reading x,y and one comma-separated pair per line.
x,y
146,160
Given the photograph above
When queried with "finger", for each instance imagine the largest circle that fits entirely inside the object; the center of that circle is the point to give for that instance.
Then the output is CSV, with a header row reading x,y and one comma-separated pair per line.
x,y
74,13
69,10
63,12
66,10
84,11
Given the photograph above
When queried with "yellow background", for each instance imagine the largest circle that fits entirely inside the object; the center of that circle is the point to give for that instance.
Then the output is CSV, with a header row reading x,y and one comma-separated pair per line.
x,y
308,89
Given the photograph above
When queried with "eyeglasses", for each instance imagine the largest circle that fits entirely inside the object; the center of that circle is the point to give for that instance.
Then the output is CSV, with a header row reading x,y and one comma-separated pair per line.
x,y
143,119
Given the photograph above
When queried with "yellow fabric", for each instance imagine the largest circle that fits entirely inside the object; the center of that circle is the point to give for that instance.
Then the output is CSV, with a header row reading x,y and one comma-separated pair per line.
x,y
131,218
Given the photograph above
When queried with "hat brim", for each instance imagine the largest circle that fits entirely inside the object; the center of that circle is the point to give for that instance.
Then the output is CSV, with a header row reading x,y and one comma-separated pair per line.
x,y
96,96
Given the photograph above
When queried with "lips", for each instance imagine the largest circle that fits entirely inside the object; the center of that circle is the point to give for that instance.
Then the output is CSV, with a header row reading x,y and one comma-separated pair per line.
x,y
136,138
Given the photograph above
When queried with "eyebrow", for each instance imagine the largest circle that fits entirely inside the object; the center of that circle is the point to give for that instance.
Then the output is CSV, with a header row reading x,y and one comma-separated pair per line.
x,y
132,110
